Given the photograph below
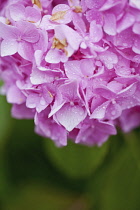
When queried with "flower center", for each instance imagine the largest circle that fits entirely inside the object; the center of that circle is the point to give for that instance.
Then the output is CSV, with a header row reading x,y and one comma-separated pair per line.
x,y
37,2
59,44
58,15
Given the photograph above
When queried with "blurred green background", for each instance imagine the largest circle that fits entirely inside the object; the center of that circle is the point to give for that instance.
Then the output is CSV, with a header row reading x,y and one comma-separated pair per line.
x,y
36,175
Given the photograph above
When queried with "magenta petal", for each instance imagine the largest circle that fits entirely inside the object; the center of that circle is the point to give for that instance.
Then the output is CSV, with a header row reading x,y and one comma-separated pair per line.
x,y
96,32
38,56
128,91
22,112
96,4
72,69
25,50
87,67
135,4
62,13
29,32
14,95
110,24
70,116
8,32
113,111
40,77
99,112
70,91
94,15
136,28
136,46
32,14
105,92
32,100
125,22
130,119
72,37
48,128
9,47
79,23
17,12
95,132
53,56
109,59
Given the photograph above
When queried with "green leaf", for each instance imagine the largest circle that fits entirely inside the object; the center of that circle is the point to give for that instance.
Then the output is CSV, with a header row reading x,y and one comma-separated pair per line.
x,y
122,189
76,161
6,125
5,120
117,184
38,197
133,141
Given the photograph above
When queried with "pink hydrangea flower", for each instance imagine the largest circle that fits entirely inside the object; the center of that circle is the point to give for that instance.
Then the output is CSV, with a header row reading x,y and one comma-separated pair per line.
x,y
72,66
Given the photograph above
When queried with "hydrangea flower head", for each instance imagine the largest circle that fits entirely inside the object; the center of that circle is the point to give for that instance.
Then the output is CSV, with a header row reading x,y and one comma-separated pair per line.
x,y
72,66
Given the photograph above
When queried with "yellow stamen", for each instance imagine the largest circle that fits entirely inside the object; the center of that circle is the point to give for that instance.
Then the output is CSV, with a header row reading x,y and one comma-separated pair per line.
x,y
58,16
37,2
50,94
31,21
7,21
59,44
78,9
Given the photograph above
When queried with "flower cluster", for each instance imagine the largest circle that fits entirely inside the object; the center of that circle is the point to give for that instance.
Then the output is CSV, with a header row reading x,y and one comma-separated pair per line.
x,y
72,65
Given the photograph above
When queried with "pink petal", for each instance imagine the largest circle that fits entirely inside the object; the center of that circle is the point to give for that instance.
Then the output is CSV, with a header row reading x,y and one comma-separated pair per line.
x,y
32,14
94,4
125,22
29,32
42,43
135,3
136,28
136,46
70,91
96,32
113,111
109,59
72,37
14,95
47,24
105,92
109,4
115,86
124,39
32,100
128,91
25,50
110,24
130,119
79,23
72,69
17,12
94,15
99,112
87,67
95,132
40,77
53,56
38,57
8,32
20,111
8,47
61,13
70,116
